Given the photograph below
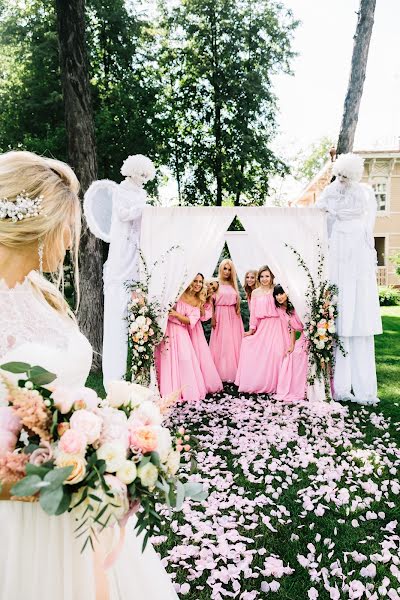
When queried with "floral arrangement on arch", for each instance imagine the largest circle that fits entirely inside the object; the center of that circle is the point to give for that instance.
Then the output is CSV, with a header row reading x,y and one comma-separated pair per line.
x,y
144,331
319,323
143,323
101,460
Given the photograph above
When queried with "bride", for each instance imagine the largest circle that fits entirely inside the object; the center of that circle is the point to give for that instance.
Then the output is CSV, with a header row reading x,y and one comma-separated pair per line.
x,y
40,558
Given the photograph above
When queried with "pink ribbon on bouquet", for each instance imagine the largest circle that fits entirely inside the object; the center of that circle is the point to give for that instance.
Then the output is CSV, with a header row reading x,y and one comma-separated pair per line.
x,y
102,561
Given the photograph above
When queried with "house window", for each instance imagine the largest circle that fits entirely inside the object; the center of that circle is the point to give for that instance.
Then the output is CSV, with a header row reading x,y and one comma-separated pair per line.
x,y
380,189
380,250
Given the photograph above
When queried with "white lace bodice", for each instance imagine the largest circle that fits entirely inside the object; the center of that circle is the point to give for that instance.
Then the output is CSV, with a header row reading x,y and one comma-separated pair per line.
x,y
31,331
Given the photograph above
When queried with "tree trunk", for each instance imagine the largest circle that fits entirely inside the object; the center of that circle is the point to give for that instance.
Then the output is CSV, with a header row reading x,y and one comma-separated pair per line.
x,y
357,76
81,151
217,110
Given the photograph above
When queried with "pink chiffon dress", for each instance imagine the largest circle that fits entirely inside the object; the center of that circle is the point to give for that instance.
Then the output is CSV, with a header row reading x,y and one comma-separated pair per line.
x,y
177,365
209,371
292,380
261,354
227,336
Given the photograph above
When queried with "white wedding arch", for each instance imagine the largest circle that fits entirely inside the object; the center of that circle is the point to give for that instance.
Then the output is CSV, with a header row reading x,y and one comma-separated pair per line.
x,y
177,242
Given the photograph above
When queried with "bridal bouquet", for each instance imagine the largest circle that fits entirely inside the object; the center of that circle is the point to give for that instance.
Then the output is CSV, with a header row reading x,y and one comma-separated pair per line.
x,y
102,460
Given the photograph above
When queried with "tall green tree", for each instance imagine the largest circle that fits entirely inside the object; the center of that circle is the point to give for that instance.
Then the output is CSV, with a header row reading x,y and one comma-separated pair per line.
x,y
217,62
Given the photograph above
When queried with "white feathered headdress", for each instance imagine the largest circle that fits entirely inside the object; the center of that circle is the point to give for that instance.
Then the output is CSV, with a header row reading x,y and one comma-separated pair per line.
x,y
350,165
139,168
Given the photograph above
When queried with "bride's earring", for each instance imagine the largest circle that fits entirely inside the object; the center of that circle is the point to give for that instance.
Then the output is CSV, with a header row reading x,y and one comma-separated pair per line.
x,y
40,253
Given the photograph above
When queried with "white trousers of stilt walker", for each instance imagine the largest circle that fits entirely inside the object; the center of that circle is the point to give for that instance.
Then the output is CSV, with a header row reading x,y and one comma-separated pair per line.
x,y
355,373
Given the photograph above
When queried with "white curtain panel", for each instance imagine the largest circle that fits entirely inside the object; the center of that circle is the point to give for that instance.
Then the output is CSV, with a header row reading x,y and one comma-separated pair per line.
x,y
245,255
179,242
269,229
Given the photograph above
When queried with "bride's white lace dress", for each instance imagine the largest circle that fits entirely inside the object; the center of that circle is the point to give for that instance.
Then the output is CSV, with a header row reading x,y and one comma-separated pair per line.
x,y
40,558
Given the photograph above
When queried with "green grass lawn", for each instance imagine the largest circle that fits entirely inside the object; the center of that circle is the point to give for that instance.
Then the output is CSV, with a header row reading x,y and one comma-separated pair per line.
x,y
261,461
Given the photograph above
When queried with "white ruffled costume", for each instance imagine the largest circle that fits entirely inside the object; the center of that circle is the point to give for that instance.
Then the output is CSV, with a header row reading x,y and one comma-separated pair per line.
x,y
114,214
40,557
351,209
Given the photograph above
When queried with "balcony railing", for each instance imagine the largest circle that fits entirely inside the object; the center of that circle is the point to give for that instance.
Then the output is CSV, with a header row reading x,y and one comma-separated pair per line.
x,y
381,275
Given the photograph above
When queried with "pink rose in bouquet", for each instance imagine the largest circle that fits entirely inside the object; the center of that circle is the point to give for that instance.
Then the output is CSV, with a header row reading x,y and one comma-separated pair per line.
x,y
143,438
8,441
87,423
73,442
42,455
9,420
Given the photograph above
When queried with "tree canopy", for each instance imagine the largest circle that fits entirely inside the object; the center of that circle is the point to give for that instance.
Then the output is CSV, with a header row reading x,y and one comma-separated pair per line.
x,y
190,86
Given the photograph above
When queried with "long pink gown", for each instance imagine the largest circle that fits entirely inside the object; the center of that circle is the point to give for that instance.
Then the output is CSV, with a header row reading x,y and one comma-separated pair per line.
x,y
209,371
176,361
262,353
292,380
227,336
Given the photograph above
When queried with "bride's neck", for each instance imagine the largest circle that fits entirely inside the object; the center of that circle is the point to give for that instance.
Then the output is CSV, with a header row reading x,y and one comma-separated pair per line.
x,y
16,264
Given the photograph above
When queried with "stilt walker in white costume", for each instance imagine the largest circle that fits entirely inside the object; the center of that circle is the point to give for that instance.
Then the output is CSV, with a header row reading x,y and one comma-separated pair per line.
x,y
351,208
114,213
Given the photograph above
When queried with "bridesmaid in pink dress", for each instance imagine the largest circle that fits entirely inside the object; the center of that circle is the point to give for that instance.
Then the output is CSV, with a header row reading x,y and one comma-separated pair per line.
x,y
292,380
266,342
211,378
250,284
227,326
177,365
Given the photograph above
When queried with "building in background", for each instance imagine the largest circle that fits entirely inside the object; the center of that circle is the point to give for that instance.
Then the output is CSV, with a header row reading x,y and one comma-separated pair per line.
x,y
382,172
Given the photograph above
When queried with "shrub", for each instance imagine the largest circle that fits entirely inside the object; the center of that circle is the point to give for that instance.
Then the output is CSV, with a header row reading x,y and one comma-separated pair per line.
x,y
389,295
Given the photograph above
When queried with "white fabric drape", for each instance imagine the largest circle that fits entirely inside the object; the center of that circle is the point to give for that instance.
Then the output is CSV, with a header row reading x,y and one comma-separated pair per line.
x,y
122,265
179,242
269,229
245,255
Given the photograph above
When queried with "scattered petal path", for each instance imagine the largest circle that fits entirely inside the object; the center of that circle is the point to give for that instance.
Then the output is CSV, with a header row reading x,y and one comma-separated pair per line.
x,y
303,503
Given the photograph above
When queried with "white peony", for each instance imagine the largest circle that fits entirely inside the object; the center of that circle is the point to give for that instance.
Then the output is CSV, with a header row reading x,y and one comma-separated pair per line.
x,y
332,329
173,462
164,443
133,327
141,320
114,454
128,472
118,393
148,475
149,413
139,394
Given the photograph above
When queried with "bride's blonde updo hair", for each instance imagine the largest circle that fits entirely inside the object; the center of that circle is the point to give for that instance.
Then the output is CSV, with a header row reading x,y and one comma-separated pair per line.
x,y
32,175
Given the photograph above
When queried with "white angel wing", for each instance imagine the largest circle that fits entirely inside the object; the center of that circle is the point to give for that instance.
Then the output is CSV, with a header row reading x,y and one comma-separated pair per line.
x,y
98,206
371,207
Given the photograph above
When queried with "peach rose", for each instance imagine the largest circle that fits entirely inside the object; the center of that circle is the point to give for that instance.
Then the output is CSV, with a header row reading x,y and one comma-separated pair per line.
x,y
143,438
79,467
73,442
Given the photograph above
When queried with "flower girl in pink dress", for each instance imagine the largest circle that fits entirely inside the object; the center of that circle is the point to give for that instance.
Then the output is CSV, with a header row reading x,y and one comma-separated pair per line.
x,y
264,345
177,364
227,325
292,380
211,378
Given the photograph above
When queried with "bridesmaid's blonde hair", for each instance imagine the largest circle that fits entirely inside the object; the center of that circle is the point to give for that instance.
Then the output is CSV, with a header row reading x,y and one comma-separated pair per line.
x,y
27,173
233,279
246,287
198,295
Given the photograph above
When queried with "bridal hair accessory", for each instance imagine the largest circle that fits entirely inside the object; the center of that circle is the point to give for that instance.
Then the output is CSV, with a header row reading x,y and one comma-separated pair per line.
x,y
40,253
349,166
138,166
23,207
